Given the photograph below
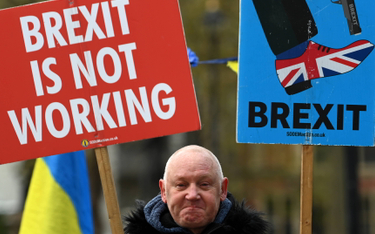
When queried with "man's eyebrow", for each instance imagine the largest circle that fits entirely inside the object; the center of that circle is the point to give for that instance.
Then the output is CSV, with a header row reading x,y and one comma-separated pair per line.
x,y
199,178
206,176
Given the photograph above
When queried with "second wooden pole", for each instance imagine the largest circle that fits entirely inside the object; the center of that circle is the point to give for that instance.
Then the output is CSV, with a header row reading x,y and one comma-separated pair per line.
x,y
307,161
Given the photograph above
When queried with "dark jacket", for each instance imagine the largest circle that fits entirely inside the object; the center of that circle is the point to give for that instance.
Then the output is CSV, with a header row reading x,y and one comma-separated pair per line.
x,y
154,218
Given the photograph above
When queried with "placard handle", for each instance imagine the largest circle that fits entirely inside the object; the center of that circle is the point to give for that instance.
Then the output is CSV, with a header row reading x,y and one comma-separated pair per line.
x,y
109,190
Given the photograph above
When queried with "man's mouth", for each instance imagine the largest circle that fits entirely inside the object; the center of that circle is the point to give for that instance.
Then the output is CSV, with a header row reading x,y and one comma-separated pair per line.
x,y
193,207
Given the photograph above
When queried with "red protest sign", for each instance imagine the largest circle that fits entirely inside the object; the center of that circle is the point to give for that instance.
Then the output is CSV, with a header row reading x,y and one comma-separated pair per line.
x,y
85,74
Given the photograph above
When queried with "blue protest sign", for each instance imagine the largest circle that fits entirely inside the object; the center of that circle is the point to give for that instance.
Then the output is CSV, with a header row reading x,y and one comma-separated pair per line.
x,y
306,72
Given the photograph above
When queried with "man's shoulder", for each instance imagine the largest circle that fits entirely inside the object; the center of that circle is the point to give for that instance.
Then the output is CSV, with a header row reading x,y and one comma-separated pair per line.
x,y
135,222
243,219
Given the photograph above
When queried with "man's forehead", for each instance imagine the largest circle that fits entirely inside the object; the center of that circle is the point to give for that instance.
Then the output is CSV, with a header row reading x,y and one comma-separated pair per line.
x,y
192,158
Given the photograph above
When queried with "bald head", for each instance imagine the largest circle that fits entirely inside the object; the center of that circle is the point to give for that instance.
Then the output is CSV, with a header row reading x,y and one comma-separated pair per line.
x,y
200,154
193,187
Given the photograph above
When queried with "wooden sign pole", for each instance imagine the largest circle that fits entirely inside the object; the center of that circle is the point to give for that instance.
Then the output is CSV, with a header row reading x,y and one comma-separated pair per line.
x,y
306,201
109,190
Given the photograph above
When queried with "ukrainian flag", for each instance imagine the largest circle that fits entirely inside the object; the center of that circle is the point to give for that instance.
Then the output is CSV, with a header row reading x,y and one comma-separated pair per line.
x,y
232,62
58,200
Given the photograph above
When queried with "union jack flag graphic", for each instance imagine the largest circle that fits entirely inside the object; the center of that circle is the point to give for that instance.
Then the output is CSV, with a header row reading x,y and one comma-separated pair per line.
x,y
319,61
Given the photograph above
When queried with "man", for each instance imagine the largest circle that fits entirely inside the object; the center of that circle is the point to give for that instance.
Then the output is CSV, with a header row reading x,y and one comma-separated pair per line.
x,y
194,199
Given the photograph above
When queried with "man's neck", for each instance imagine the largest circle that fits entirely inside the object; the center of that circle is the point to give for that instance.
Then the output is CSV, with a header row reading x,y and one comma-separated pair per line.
x,y
197,230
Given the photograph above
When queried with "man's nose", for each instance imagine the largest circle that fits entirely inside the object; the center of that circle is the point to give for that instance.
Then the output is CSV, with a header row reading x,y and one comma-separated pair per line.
x,y
192,193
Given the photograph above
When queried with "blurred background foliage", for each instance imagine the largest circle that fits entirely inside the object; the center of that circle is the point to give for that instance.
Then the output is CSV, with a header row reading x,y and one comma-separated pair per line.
x,y
266,176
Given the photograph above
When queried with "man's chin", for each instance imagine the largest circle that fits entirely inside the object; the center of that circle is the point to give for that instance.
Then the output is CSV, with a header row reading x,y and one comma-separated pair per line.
x,y
193,220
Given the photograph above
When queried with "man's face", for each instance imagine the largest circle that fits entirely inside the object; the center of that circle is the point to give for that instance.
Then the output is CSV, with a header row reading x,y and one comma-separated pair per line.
x,y
193,190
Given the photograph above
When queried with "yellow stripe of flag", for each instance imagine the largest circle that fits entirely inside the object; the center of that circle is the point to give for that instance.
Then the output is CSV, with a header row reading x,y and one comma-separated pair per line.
x,y
58,200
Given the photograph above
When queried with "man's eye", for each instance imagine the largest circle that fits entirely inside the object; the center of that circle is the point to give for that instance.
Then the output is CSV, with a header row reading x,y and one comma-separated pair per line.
x,y
205,184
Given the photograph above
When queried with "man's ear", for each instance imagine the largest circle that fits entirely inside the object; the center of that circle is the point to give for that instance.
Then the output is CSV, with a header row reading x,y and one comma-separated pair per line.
x,y
224,189
162,190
